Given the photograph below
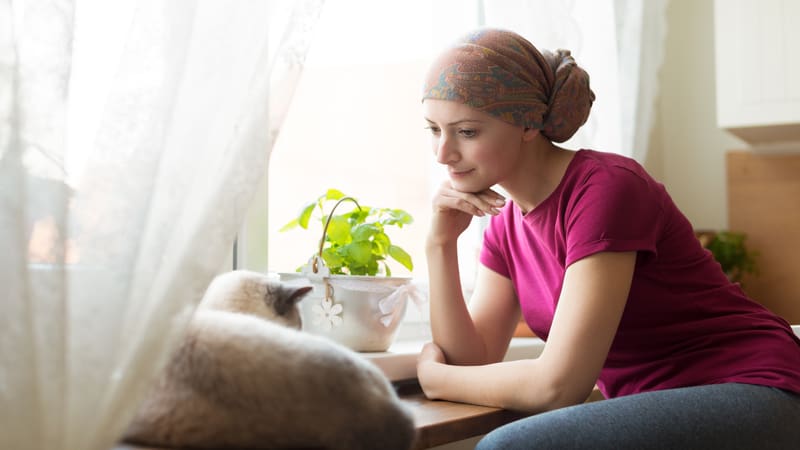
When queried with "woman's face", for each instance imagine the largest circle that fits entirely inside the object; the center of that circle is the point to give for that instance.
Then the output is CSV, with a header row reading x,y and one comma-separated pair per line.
x,y
478,149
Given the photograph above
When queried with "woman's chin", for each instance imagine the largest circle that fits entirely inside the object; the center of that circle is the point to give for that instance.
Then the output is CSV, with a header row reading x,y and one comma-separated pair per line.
x,y
468,186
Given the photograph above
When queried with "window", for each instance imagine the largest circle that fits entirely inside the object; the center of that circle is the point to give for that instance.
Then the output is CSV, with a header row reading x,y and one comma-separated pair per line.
x,y
355,122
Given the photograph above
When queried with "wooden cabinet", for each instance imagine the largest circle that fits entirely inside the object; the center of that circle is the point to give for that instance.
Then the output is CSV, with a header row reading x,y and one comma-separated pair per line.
x,y
757,47
764,202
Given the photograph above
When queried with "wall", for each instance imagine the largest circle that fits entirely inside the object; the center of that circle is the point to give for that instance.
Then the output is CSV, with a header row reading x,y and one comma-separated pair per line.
x,y
687,150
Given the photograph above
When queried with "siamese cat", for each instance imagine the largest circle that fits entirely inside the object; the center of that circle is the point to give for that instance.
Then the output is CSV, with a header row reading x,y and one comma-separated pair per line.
x,y
244,376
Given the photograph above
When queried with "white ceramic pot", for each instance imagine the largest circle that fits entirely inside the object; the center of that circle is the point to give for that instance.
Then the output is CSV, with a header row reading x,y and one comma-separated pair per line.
x,y
360,312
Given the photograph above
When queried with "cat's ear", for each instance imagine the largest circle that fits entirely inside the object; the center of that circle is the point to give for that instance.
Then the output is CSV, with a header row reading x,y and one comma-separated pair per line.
x,y
288,296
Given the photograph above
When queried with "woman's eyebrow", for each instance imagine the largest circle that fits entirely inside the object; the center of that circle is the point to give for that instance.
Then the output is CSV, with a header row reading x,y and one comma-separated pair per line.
x,y
457,121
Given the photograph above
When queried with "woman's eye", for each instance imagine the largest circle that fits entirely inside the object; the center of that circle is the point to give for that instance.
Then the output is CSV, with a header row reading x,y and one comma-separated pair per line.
x,y
434,130
468,133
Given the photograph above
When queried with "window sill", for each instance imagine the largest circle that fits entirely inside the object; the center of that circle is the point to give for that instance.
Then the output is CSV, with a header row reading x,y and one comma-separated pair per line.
x,y
400,361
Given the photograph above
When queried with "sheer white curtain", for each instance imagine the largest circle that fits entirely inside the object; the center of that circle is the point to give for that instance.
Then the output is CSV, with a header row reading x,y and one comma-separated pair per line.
x,y
127,161
641,30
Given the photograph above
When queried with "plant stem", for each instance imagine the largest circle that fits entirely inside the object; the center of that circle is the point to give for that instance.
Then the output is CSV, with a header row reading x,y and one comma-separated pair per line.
x,y
325,229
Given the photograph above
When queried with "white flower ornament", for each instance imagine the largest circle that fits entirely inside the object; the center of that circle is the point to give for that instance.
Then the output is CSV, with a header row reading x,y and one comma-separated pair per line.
x,y
327,314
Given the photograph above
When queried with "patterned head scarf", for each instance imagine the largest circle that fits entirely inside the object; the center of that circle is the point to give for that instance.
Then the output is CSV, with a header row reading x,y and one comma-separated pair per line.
x,y
500,73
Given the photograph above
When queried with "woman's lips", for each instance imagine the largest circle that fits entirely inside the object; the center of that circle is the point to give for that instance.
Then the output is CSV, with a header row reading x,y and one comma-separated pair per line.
x,y
460,173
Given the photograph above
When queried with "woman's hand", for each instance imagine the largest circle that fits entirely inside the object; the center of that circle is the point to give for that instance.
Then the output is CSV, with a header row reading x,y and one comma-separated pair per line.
x,y
430,356
453,210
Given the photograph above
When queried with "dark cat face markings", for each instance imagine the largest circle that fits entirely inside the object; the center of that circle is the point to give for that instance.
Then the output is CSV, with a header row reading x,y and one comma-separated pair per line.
x,y
284,298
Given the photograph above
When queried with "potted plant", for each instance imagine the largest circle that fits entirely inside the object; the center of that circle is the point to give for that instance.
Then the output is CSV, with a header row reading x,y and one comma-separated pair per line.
x,y
729,249
356,301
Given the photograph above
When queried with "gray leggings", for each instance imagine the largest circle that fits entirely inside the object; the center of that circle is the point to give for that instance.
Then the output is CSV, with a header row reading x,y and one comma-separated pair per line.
x,y
721,416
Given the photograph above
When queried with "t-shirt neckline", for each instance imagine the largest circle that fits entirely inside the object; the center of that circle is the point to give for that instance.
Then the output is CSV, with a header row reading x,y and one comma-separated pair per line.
x,y
535,212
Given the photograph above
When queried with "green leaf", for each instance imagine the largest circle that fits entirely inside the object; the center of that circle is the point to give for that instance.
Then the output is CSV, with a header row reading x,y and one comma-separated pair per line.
x,y
339,231
401,256
334,194
397,217
359,252
378,249
729,249
382,241
358,216
372,267
305,214
332,259
364,231
292,224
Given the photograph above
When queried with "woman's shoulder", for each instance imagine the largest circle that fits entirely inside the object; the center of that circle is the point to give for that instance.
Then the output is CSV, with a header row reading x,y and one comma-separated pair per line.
x,y
595,159
609,168
600,179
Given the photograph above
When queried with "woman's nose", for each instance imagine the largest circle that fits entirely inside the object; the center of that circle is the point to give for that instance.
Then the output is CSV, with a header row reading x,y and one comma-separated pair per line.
x,y
446,152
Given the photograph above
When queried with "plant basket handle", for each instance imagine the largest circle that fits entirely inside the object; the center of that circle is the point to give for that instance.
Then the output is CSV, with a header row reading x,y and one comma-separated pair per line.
x,y
314,266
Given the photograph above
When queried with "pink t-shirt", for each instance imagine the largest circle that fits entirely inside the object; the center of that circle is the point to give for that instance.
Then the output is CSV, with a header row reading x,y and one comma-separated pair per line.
x,y
684,323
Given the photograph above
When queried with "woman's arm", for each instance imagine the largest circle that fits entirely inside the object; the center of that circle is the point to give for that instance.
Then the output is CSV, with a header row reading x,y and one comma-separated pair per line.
x,y
590,307
479,336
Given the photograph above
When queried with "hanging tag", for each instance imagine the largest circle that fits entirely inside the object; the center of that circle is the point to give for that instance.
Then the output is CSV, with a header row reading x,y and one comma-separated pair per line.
x,y
316,269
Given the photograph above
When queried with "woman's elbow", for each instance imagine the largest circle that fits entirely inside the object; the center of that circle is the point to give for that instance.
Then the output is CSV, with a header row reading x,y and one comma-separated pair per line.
x,y
570,397
547,396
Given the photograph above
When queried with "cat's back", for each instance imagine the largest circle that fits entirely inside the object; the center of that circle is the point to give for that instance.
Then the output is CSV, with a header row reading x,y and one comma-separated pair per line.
x,y
250,381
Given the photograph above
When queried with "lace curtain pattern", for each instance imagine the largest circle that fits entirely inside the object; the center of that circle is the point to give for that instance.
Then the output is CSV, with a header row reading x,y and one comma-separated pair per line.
x,y
132,136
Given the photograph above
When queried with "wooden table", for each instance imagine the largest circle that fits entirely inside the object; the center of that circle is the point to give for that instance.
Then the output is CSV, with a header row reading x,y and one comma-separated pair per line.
x,y
441,422
437,422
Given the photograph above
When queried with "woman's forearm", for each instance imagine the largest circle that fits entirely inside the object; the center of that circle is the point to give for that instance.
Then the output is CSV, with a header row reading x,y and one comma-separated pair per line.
x,y
514,385
451,325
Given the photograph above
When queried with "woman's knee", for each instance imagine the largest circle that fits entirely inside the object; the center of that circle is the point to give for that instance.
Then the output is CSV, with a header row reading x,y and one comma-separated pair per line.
x,y
664,419
555,429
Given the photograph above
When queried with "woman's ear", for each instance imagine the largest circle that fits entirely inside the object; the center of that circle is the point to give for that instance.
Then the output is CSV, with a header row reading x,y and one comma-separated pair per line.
x,y
530,133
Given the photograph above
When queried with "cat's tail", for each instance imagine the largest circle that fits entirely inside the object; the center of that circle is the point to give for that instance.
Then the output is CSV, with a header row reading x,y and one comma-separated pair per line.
x,y
390,429
377,418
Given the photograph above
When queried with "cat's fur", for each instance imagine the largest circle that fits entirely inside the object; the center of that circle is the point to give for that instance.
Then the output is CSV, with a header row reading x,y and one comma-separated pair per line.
x,y
245,377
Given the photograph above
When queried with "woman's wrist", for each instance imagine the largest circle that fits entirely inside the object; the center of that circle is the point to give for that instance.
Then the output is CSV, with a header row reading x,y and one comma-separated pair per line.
x,y
438,243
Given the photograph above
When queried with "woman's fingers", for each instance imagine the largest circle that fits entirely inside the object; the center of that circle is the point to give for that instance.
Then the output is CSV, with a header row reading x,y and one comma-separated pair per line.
x,y
453,211
494,200
476,204
492,197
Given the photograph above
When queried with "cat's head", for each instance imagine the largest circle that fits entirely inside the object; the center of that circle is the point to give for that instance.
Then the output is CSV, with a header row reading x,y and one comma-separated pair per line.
x,y
257,294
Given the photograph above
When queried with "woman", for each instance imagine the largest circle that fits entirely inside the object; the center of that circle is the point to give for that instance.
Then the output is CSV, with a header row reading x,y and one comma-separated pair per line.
x,y
601,264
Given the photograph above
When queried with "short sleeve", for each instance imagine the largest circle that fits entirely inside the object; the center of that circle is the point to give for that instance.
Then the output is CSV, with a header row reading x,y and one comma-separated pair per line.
x,y
613,209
